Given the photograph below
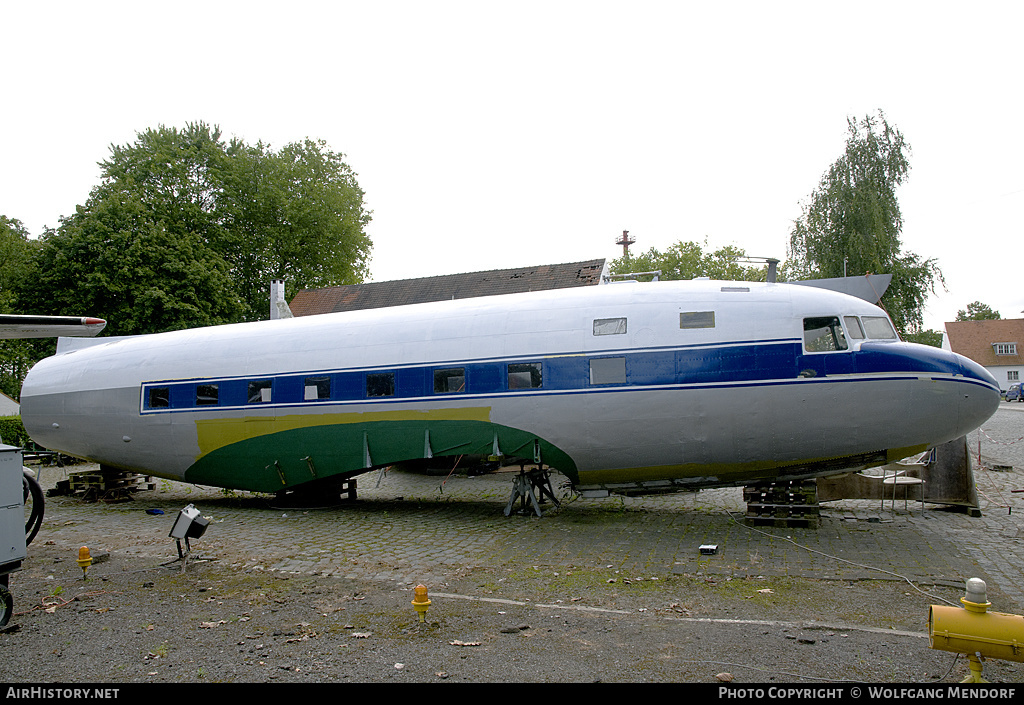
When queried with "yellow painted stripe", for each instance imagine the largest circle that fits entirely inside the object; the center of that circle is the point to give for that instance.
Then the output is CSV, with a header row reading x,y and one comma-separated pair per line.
x,y
214,434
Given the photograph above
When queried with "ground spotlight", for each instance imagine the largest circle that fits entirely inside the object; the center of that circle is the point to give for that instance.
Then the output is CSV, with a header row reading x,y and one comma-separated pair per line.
x,y
189,525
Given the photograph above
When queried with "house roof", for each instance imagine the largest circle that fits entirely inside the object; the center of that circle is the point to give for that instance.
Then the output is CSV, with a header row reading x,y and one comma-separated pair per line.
x,y
8,407
354,297
977,339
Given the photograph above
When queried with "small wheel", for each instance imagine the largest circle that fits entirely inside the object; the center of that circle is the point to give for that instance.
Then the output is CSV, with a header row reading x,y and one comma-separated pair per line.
x,y
6,605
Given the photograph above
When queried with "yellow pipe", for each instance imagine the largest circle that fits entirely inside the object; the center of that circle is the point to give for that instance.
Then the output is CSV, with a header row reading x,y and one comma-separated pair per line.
x,y
975,630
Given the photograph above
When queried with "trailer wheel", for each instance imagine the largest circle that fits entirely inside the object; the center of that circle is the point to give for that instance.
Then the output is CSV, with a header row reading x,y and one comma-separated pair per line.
x,y
6,605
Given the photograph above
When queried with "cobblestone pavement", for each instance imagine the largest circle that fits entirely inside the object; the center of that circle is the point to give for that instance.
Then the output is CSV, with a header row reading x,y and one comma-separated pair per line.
x,y
410,528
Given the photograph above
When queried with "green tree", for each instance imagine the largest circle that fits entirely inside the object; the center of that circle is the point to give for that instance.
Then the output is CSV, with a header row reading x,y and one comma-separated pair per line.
x,y
977,311
207,224
926,337
852,224
113,260
16,356
15,258
688,260
296,215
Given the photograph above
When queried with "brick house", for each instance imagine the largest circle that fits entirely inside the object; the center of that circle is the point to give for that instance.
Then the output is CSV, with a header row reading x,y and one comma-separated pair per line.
x,y
998,346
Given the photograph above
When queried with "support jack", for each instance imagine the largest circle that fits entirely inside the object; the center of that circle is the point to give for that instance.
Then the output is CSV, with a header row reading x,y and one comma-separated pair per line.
x,y
531,488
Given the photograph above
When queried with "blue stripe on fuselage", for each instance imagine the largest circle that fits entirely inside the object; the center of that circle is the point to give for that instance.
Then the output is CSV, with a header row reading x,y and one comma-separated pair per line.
x,y
753,363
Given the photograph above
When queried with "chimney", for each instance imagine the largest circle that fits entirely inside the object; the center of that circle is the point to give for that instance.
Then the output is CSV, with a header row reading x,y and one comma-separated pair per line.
x,y
278,306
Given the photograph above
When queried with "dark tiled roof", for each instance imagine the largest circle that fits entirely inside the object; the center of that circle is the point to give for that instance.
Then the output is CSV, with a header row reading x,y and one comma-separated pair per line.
x,y
354,297
976,339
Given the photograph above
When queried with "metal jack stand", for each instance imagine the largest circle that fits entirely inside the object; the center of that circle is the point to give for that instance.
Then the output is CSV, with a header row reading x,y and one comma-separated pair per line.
x,y
526,488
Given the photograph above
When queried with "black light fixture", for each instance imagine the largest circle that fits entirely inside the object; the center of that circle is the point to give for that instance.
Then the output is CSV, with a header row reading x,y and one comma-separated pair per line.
x,y
189,525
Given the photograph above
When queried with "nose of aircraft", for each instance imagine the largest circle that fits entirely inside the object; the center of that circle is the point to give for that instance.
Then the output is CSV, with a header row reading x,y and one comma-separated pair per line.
x,y
977,405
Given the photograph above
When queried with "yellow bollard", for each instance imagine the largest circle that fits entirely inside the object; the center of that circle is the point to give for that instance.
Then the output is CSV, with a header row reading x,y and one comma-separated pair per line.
x,y
84,560
421,602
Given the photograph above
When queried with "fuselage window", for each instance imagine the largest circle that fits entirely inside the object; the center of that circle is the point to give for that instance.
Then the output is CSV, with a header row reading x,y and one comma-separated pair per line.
x,y
259,391
608,370
206,394
450,381
878,327
524,375
317,388
823,334
380,384
853,327
159,397
609,326
697,319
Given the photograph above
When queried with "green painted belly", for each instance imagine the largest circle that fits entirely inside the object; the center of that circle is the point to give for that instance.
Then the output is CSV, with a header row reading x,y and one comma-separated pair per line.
x,y
269,454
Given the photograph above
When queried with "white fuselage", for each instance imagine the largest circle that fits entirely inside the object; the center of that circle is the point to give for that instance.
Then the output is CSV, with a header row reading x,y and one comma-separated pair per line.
x,y
695,383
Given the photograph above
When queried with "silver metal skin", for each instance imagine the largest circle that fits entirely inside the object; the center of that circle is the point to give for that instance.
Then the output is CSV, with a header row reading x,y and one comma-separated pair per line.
x,y
89,402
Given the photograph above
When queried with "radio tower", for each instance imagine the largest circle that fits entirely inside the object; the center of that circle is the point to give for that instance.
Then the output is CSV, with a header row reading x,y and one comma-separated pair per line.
x,y
625,241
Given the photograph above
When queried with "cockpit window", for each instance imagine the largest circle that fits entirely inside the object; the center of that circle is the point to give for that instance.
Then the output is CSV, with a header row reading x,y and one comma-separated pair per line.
x,y
878,327
823,334
853,327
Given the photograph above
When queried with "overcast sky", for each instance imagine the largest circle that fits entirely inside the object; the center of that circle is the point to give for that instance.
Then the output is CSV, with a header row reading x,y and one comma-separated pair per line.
x,y
501,134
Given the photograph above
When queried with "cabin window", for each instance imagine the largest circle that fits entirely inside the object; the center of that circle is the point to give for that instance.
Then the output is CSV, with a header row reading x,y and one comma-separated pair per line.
x,y
450,381
609,326
608,370
159,397
697,319
878,327
823,334
317,388
206,395
853,327
380,384
259,391
524,375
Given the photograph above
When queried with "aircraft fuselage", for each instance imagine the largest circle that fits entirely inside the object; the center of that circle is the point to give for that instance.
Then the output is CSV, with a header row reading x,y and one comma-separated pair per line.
x,y
619,387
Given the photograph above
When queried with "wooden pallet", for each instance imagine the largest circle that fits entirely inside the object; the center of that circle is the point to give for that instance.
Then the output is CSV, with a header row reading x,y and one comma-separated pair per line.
x,y
783,504
105,485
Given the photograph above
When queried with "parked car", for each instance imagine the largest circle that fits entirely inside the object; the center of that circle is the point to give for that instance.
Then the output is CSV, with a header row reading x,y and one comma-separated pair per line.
x,y
1014,393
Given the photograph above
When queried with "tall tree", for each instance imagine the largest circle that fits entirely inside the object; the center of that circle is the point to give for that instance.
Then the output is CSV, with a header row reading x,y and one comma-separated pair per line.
x,y
208,224
15,255
16,356
977,311
688,260
852,224
114,260
296,215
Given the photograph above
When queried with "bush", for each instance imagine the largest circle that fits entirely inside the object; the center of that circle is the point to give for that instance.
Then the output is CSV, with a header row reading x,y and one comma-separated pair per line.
x,y
12,432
